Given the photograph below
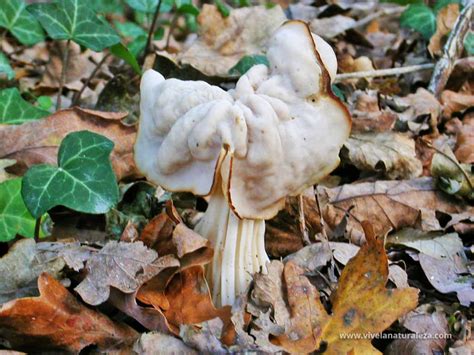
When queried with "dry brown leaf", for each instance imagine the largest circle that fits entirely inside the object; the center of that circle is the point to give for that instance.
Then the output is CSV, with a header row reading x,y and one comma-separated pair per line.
x,y
361,304
125,266
455,102
79,66
445,21
204,336
6,163
223,41
389,153
158,343
37,142
465,142
367,115
57,321
329,27
391,205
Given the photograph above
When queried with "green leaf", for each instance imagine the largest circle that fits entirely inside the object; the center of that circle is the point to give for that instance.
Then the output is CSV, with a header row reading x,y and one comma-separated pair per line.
x,y
44,102
108,6
138,45
15,18
338,92
15,110
122,52
130,29
246,62
443,3
191,23
74,20
223,8
14,217
147,6
469,43
189,9
420,18
83,181
5,67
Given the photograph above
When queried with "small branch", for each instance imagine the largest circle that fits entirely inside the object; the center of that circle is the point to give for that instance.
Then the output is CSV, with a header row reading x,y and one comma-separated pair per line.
x,y
86,83
63,74
152,30
376,15
452,50
302,221
174,21
383,72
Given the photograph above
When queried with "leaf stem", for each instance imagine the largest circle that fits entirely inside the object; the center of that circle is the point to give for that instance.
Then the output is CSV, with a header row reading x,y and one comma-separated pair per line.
x,y
174,21
77,96
37,229
63,74
152,30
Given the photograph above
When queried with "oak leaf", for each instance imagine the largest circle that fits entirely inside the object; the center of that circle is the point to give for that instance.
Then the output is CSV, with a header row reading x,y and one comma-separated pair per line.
x,y
57,321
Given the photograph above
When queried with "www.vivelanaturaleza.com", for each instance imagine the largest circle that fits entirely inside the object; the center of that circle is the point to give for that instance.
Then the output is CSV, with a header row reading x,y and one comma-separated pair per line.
x,y
393,336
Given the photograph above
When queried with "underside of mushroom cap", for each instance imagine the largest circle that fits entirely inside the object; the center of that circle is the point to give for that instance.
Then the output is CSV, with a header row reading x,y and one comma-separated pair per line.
x,y
278,132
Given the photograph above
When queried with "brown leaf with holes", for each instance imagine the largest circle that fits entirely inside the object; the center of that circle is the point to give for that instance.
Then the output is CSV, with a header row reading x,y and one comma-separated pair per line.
x,y
37,142
391,205
361,305
57,321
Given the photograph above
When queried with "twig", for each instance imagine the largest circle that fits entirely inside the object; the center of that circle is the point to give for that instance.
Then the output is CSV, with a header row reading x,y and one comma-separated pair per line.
x,y
383,72
174,21
86,83
385,12
63,74
302,221
152,29
452,50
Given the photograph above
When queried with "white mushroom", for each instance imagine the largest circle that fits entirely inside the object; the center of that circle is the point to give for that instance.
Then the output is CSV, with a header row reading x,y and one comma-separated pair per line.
x,y
279,131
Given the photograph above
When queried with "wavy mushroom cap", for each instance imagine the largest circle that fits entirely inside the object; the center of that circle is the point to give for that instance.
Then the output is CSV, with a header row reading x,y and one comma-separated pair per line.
x,y
279,131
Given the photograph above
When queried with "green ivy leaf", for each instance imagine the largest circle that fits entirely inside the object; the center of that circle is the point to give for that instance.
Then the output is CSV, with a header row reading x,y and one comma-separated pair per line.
x,y
189,9
420,18
108,6
74,20
443,3
83,181
469,43
5,67
44,102
130,29
246,62
147,6
122,52
15,110
15,18
223,8
338,92
14,216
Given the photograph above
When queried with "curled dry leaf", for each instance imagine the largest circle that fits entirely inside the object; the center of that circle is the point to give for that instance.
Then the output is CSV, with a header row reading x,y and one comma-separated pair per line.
x,y
125,266
57,321
445,21
367,115
20,268
205,336
391,154
37,142
329,27
223,41
465,142
391,205
5,163
361,304
73,253
159,343
456,102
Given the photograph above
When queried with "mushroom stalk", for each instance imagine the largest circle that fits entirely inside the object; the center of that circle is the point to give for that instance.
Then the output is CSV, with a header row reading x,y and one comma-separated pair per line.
x,y
239,249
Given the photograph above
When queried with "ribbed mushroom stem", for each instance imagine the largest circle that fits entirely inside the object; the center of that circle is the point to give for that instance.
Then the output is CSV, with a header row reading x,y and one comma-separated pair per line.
x,y
239,249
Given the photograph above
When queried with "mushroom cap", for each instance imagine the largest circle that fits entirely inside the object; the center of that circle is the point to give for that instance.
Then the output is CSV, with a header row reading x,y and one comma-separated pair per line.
x,y
279,131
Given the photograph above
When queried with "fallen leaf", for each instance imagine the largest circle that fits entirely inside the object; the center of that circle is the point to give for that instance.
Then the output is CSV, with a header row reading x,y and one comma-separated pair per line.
x,y
367,115
391,205
312,257
20,268
37,142
360,305
159,343
57,321
329,27
223,41
444,277
6,163
391,154
72,253
445,20
204,337
455,102
435,244
125,266
465,142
